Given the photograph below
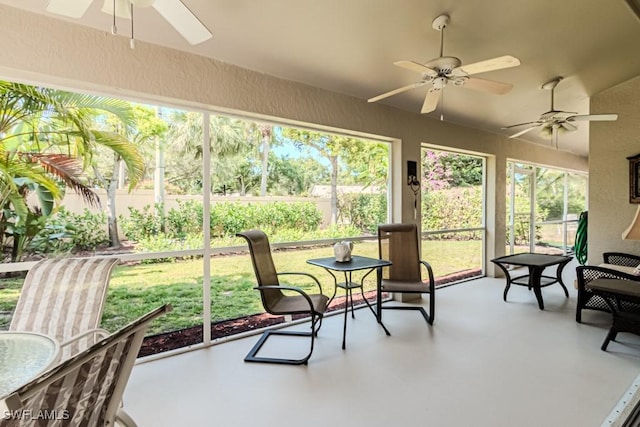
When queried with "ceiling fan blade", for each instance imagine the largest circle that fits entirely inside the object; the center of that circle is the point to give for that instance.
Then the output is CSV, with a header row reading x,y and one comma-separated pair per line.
x,y
123,8
395,91
520,124
415,66
522,132
489,86
594,117
181,18
568,126
493,64
431,100
72,9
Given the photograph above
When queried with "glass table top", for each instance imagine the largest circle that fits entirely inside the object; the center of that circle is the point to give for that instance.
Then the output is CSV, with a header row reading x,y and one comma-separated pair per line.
x,y
24,355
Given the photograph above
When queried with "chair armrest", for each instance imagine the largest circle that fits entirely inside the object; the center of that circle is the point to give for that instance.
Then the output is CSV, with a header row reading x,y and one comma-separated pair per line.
x,y
97,334
288,288
586,274
620,258
429,273
293,273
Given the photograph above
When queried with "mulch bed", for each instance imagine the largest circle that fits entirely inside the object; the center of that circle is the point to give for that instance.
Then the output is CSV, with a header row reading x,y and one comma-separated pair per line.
x,y
189,336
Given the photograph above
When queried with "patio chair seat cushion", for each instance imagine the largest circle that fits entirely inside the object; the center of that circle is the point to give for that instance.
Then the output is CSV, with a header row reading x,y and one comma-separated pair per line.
x,y
404,286
622,268
298,304
615,286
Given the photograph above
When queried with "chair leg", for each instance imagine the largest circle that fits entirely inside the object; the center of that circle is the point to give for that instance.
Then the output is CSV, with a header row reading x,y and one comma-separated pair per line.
x,y
426,316
124,420
432,308
611,336
253,357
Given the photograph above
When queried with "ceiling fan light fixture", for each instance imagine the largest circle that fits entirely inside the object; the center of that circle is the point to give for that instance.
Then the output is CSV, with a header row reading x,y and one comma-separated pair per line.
x,y
119,8
547,131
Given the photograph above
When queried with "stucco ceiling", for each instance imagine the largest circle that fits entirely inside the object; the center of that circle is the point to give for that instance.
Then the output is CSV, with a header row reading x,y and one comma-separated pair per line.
x,y
349,46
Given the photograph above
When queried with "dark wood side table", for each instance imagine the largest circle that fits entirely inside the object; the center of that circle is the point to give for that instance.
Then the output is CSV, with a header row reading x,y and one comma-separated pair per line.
x,y
536,264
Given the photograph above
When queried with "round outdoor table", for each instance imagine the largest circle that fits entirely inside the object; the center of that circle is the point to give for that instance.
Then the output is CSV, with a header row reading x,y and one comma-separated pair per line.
x,y
23,356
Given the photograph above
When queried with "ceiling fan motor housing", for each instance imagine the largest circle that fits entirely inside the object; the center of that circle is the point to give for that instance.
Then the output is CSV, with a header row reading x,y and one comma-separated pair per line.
x,y
444,65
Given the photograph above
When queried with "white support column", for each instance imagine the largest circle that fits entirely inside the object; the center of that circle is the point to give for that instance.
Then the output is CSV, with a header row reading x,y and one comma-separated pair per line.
x,y
206,224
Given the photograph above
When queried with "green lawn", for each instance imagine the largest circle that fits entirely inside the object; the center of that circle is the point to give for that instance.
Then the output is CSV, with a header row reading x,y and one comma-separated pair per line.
x,y
136,289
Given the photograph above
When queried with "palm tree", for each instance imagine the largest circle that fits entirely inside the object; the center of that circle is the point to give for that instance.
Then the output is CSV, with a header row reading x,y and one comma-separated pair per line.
x,y
47,139
229,145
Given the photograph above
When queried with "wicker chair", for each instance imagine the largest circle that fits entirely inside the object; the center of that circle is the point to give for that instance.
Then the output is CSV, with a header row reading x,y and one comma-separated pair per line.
x,y
398,243
616,266
276,302
64,298
85,390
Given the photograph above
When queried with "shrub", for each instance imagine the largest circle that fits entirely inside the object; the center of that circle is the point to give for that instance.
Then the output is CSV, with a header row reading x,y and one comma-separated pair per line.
x,y
185,220
143,224
363,211
226,218
459,207
65,231
162,243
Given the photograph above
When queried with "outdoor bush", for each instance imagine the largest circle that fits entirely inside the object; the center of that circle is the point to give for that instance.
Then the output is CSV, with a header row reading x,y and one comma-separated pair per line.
x,y
227,219
65,231
89,230
140,225
185,219
459,207
363,211
162,243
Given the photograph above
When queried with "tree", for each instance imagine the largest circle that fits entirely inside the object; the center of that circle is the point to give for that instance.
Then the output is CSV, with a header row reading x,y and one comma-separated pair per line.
x,y
264,133
443,170
330,147
47,139
147,127
229,148
294,176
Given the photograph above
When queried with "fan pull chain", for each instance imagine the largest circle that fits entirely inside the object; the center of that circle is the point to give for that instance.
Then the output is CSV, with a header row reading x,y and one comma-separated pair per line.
x,y
114,28
132,42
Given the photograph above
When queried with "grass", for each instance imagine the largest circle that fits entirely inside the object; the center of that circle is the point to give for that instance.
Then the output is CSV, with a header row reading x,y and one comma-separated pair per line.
x,y
136,289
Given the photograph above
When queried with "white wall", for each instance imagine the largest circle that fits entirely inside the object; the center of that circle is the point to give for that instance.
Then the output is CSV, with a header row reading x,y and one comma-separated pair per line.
x,y
37,49
611,143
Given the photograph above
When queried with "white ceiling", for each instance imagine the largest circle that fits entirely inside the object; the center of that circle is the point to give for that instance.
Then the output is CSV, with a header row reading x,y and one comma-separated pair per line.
x,y
349,46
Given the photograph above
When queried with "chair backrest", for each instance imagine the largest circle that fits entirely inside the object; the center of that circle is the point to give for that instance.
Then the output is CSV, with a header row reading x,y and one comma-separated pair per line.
x,y
64,297
85,390
263,266
398,243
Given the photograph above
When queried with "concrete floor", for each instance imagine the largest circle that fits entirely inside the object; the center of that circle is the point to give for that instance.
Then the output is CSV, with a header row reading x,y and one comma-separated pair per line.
x,y
484,362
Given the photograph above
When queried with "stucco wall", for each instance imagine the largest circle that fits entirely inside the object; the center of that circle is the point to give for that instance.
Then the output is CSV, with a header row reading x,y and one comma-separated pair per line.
x,y
37,49
609,209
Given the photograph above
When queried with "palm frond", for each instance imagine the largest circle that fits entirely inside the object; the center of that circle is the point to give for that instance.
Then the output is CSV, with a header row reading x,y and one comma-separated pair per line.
x,y
67,169
128,152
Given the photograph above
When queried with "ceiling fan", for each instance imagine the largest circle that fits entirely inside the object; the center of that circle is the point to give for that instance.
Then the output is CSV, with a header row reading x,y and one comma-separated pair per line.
x,y
440,71
174,11
554,121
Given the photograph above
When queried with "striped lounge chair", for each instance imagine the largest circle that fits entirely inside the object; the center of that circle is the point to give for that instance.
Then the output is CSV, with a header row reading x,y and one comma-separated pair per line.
x,y
63,298
84,390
